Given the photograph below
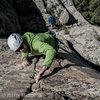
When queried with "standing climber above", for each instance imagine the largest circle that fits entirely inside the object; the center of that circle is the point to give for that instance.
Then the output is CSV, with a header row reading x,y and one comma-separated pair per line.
x,y
51,22
37,44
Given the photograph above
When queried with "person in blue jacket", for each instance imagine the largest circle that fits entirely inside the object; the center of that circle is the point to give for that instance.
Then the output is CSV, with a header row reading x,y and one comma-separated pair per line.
x,y
51,22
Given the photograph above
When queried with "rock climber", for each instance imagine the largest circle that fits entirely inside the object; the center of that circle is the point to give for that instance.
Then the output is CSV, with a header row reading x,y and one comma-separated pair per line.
x,y
51,22
37,44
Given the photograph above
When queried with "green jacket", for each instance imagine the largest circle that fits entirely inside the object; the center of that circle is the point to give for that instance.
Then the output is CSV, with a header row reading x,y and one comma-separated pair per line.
x,y
41,43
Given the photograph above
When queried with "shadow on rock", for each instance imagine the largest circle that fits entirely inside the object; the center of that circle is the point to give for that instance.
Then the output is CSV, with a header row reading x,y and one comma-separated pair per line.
x,y
72,19
94,66
20,16
30,16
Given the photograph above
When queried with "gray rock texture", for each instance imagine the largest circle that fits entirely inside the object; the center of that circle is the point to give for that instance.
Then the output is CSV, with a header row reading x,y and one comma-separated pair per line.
x,y
84,37
75,79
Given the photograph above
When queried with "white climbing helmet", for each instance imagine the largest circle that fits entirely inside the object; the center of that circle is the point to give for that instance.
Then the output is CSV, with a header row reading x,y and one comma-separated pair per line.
x,y
14,41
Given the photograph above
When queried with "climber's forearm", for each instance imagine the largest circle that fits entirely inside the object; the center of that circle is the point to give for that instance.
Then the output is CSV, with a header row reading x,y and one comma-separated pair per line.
x,y
43,71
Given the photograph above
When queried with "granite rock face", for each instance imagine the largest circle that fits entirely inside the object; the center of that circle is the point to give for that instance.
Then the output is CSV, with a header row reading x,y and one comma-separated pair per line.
x,y
22,15
83,36
75,79
54,8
